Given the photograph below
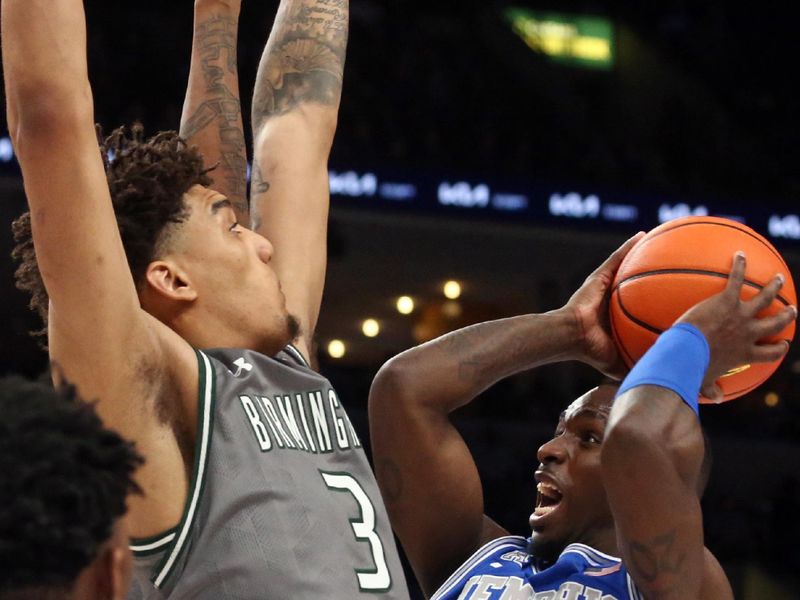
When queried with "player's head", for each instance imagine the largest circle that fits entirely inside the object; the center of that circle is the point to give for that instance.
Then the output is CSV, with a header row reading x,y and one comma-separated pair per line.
x,y
64,480
571,503
210,281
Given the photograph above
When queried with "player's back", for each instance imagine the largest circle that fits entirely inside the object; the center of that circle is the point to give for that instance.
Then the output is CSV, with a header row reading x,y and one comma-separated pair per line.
x,y
282,502
504,569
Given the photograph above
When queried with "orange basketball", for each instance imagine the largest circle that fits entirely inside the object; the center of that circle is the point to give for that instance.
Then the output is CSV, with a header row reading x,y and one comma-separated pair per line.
x,y
681,263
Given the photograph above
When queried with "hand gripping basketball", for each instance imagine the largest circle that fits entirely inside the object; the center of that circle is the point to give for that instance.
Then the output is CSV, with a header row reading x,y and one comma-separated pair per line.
x,y
734,330
684,262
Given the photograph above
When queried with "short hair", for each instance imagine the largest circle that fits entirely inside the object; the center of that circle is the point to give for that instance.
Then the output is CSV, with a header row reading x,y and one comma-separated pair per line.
x,y
147,179
64,479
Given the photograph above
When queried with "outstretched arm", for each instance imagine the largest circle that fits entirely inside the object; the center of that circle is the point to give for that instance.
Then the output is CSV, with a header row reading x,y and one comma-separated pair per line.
x,y
295,110
653,451
426,473
100,339
212,112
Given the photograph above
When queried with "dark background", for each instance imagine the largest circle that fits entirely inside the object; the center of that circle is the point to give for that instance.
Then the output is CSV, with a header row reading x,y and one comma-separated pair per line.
x,y
699,104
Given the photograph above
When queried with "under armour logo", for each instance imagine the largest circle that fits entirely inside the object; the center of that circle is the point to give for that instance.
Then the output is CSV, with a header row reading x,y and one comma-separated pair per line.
x,y
243,366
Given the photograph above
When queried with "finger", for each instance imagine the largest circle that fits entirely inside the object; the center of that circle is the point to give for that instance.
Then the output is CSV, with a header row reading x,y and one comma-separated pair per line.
x,y
736,276
613,262
765,296
769,352
773,325
713,392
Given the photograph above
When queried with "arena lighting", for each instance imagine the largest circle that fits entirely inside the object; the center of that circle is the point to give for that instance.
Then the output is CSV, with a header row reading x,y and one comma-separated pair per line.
x,y
405,305
336,349
574,40
452,290
370,328
6,150
772,399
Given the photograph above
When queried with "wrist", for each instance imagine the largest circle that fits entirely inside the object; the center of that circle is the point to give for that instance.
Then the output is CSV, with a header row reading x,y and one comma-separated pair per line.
x,y
229,6
567,325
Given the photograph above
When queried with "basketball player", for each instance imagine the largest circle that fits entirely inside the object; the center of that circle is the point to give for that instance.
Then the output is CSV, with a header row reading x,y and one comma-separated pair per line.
x,y
620,477
64,479
256,484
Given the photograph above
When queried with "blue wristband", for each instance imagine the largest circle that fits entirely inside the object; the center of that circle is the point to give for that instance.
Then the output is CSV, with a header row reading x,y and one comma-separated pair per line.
x,y
677,361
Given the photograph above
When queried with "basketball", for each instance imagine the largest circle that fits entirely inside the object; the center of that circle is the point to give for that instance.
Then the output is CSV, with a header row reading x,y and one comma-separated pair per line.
x,y
681,263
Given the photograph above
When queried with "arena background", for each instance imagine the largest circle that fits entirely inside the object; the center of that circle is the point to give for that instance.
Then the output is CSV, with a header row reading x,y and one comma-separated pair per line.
x,y
467,151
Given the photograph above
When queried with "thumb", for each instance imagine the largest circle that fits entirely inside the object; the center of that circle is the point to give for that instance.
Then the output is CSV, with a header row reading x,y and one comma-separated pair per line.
x,y
612,263
713,392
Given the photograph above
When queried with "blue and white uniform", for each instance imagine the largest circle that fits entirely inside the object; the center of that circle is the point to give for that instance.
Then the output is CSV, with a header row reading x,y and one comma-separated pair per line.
x,y
504,570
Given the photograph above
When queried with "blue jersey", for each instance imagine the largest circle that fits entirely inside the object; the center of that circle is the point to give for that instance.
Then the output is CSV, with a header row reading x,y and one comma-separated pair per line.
x,y
503,570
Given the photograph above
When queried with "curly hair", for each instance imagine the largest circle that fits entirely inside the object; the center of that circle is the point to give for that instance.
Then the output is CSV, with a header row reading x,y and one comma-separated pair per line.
x,y
147,179
64,479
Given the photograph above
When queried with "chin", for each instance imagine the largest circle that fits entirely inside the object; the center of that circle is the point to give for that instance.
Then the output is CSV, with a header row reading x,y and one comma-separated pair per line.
x,y
545,548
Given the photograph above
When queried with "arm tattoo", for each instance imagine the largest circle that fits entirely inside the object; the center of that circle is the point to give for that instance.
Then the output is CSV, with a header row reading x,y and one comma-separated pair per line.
x,y
304,58
657,557
215,38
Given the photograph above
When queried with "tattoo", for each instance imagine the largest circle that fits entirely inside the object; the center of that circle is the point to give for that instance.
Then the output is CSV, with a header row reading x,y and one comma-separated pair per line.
x,y
388,474
657,557
215,40
258,187
304,59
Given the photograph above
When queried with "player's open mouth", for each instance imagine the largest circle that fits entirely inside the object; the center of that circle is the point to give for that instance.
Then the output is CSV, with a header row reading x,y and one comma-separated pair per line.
x,y
547,499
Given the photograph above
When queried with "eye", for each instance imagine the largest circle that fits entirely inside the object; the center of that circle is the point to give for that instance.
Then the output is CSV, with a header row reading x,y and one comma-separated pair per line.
x,y
234,226
590,437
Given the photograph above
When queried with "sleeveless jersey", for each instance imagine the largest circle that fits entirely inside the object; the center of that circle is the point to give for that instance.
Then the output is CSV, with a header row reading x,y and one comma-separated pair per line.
x,y
282,502
503,570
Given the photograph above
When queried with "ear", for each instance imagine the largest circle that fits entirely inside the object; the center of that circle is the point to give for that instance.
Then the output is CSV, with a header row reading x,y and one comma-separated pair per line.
x,y
121,567
168,280
106,576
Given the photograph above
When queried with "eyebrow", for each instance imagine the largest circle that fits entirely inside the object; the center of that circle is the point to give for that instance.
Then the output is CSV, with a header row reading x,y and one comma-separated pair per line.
x,y
219,205
592,413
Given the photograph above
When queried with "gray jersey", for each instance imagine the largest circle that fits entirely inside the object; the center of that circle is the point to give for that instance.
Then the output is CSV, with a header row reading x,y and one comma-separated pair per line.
x,y
282,502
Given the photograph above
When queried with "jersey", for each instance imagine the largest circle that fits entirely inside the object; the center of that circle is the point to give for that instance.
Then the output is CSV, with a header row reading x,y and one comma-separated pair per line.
x,y
504,570
282,502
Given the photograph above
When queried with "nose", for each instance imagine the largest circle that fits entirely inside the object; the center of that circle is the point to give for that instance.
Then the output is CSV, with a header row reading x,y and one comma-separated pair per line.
x,y
554,451
264,248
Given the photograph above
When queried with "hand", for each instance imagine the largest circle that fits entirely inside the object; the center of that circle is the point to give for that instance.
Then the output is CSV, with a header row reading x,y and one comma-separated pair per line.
x,y
733,329
589,308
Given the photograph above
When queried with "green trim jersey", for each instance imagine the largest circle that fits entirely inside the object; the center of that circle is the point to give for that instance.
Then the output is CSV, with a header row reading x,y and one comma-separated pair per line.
x,y
282,502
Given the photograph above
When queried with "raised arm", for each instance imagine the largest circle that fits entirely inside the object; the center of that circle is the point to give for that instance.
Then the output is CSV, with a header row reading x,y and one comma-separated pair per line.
x,y
426,473
99,337
212,113
295,109
653,449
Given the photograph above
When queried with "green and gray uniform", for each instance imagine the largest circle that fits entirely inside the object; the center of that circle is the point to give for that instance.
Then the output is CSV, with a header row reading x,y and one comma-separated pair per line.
x,y
282,502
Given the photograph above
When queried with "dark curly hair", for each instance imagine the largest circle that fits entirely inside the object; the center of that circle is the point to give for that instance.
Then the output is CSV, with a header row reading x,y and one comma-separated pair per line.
x,y
64,479
147,179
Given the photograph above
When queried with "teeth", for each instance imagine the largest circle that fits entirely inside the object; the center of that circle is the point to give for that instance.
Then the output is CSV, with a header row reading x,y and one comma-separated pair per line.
x,y
551,491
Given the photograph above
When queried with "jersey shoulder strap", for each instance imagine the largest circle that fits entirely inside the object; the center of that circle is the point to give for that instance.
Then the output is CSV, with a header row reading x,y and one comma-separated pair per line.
x,y
487,552
296,356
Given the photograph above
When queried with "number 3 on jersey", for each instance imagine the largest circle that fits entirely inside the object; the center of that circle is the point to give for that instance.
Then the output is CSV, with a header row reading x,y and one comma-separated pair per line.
x,y
369,580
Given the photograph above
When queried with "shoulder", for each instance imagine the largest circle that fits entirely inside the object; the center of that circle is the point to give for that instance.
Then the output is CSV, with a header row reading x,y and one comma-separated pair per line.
x,y
715,582
507,551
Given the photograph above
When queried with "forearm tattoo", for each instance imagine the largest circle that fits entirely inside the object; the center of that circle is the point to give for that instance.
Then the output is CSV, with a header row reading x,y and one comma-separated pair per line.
x,y
215,39
657,557
304,59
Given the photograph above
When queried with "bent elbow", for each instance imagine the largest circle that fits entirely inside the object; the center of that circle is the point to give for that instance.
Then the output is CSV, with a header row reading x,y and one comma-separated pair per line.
x,y
391,383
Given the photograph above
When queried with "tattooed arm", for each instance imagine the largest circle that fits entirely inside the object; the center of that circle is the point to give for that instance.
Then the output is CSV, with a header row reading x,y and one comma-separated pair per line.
x,y
426,473
295,110
212,114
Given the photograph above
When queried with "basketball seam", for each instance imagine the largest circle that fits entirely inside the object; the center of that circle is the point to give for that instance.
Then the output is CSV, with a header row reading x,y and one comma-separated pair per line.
x,y
746,282
729,226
